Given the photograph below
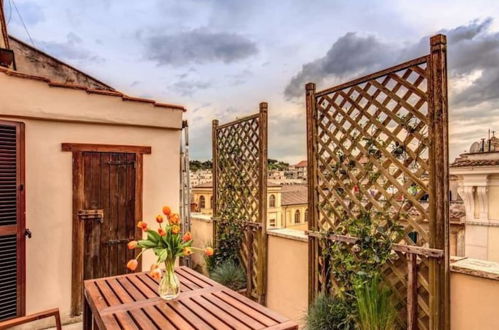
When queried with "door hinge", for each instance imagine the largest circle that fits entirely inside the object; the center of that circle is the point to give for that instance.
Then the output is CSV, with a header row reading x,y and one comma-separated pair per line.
x,y
21,187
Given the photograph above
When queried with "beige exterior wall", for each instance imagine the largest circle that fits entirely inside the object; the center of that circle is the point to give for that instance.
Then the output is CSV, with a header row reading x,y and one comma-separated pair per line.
x,y
49,170
202,235
207,193
473,297
287,281
474,302
288,213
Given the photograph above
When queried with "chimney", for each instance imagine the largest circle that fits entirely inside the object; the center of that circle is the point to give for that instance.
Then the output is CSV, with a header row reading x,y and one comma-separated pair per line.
x,y
6,54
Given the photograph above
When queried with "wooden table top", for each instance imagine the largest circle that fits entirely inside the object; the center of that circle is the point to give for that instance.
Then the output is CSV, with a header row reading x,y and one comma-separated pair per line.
x,y
131,302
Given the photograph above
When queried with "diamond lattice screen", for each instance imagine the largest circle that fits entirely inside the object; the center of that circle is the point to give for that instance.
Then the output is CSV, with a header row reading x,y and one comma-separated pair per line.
x,y
372,154
238,177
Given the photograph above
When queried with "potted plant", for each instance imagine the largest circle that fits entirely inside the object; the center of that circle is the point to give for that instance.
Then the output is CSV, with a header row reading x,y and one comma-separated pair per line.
x,y
376,310
168,243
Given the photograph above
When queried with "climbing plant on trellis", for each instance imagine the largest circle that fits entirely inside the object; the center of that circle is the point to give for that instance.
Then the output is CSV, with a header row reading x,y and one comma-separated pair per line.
x,y
379,144
240,192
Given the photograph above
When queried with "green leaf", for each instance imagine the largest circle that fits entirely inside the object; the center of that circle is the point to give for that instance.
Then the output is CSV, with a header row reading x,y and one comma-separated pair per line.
x,y
146,244
153,236
163,255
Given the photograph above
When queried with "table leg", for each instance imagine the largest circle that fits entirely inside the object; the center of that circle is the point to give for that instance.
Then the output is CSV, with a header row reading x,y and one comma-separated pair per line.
x,y
87,316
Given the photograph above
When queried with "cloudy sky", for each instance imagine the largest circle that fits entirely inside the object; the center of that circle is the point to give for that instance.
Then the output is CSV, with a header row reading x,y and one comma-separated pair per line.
x,y
220,58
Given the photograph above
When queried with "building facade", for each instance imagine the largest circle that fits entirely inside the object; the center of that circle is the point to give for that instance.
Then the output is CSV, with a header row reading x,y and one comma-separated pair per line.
x,y
81,163
286,204
477,184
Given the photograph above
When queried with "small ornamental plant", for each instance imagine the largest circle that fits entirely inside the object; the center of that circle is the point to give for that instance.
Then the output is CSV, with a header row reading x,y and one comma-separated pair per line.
x,y
168,243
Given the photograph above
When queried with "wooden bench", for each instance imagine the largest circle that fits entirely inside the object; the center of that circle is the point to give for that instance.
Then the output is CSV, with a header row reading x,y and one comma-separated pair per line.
x,y
33,317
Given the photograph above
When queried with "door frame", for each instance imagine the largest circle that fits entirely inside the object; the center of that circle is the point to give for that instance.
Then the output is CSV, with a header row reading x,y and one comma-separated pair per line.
x,y
78,199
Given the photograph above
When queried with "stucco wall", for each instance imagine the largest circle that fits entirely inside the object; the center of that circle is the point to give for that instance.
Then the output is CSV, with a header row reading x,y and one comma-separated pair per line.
x,y
53,116
473,298
287,281
49,198
202,235
474,302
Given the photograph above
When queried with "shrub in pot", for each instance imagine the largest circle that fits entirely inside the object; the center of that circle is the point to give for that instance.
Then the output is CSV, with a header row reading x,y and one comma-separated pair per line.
x,y
229,274
375,308
330,313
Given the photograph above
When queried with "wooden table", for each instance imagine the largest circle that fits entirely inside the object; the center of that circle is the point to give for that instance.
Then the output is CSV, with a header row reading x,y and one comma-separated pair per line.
x,y
131,302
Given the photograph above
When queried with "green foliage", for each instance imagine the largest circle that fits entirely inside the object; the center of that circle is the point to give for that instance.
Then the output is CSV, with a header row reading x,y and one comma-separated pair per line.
x,y
229,274
195,165
229,238
376,310
348,263
165,247
330,313
274,164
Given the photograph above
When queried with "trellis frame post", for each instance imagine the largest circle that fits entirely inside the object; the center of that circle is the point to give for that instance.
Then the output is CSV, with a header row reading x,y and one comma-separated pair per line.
x,y
311,177
214,175
262,253
438,112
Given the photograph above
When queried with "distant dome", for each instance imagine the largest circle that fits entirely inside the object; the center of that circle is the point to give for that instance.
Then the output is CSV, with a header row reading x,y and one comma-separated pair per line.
x,y
475,147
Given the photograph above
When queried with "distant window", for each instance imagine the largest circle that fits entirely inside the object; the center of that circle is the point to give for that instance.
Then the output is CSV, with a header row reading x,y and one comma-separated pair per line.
x,y
306,215
272,201
202,202
211,202
272,223
297,216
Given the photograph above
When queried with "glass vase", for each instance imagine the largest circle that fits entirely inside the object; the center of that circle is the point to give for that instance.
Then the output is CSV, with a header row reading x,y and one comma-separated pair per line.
x,y
169,286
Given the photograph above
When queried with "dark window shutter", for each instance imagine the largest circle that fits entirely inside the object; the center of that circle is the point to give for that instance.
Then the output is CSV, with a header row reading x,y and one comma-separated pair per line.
x,y
12,224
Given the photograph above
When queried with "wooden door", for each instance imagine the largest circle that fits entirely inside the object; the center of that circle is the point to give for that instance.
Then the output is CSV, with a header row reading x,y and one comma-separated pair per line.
x,y
12,223
108,212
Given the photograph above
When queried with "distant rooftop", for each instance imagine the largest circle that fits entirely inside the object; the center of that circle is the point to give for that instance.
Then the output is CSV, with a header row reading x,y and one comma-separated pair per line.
x,y
294,194
303,163
209,184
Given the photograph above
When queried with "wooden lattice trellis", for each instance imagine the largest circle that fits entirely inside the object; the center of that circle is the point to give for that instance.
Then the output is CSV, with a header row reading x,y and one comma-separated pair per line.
x,y
379,143
240,188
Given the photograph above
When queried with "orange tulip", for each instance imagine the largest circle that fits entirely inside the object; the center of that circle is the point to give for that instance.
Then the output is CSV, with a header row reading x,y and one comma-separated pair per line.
x,y
187,237
156,274
161,232
187,251
142,225
174,218
154,266
167,210
132,264
175,229
132,245
159,218
208,251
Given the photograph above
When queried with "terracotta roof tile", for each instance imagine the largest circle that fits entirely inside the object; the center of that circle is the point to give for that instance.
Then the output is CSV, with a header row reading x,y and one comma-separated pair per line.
x,y
89,90
303,163
474,162
209,184
294,194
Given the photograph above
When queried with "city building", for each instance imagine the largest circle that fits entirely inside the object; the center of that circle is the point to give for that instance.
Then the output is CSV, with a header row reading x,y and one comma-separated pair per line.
x,y
200,177
297,171
286,208
475,179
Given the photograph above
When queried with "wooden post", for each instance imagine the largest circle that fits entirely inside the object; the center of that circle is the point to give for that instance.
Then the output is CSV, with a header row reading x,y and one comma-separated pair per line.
x,y
262,247
412,291
214,175
311,178
439,188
